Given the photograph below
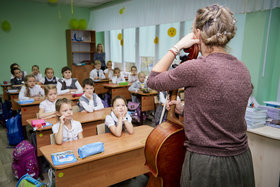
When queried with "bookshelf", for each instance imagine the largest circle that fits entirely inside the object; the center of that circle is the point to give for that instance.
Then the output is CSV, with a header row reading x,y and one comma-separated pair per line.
x,y
81,45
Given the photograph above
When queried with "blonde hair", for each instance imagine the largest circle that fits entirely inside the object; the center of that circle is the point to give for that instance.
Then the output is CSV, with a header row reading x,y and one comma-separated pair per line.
x,y
61,101
48,69
49,87
141,73
27,93
109,61
217,25
97,62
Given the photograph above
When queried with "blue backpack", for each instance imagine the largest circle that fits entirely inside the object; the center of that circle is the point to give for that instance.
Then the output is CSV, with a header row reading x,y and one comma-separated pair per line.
x,y
14,128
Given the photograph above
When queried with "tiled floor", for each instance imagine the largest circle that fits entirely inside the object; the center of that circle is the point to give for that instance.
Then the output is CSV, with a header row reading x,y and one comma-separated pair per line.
x,y
8,180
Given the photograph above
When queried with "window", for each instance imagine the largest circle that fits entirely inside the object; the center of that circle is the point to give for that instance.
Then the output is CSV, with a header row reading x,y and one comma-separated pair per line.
x,y
129,48
116,48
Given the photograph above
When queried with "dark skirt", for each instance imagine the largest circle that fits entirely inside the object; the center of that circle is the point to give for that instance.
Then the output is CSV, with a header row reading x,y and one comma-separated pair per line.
x,y
203,170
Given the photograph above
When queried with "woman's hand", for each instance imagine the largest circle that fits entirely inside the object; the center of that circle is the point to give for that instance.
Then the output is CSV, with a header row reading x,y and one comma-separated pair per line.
x,y
179,106
187,41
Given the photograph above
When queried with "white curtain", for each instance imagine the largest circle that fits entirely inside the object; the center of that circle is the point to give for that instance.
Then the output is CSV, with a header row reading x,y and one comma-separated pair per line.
x,y
139,13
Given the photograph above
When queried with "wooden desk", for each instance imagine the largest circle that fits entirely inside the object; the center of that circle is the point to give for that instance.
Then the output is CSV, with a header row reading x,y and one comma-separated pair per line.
x,y
264,143
5,88
89,122
99,88
116,89
123,158
29,111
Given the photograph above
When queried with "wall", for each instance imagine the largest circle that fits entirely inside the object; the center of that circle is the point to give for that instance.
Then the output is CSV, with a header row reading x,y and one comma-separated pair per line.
x,y
255,34
37,35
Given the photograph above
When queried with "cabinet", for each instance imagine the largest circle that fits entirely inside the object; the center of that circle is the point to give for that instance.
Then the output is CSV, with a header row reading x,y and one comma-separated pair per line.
x,y
81,46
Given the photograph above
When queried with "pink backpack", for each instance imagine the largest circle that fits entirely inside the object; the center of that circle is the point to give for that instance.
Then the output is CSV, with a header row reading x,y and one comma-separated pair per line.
x,y
25,160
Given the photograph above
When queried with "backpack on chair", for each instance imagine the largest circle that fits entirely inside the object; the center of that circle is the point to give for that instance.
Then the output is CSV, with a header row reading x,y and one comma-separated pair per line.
x,y
25,160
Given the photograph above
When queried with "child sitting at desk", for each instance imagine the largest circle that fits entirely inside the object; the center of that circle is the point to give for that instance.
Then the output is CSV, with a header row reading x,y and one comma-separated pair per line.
x,y
89,101
97,72
47,107
36,72
119,119
66,129
140,84
109,72
30,89
15,65
18,77
49,78
133,74
68,84
117,78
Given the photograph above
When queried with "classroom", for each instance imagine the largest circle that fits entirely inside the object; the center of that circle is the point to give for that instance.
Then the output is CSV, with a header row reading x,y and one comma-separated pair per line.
x,y
140,92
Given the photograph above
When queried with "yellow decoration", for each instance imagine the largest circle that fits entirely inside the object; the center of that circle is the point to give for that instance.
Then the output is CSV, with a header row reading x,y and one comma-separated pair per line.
x,y
120,36
156,40
40,134
74,24
60,174
72,9
171,32
121,10
82,24
6,26
121,42
52,1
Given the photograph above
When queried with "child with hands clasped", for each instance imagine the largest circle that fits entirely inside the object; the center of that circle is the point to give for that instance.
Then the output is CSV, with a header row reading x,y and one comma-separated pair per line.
x,y
89,101
30,89
117,78
66,129
68,84
47,107
109,72
119,119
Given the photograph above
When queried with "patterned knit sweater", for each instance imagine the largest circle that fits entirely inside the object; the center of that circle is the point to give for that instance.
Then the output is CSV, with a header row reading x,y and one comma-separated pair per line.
x,y
217,89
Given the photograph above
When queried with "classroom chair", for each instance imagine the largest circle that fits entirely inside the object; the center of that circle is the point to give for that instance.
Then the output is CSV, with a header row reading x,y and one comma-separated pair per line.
x,y
100,128
52,138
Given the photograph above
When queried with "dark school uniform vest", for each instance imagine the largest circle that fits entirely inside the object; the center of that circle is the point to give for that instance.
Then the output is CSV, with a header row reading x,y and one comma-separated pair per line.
x,y
53,81
72,86
85,99
15,81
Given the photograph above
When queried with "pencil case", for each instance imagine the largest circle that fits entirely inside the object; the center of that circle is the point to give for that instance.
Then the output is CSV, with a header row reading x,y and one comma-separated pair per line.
x,y
38,123
123,83
26,101
91,149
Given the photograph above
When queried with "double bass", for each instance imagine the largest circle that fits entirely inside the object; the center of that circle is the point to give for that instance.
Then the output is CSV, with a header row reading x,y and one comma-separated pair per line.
x,y
164,148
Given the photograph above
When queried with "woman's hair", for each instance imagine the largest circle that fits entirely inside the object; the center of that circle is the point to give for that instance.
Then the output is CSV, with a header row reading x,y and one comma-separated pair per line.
x,y
118,97
133,67
49,87
97,62
116,69
65,68
217,25
35,66
61,101
102,49
25,83
13,65
47,69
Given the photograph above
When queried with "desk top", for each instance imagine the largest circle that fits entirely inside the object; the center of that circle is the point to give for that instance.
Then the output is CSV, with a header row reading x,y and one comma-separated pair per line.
x,y
112,85
139,92
267,131
101,80
37,102
6,85
82,117
112,145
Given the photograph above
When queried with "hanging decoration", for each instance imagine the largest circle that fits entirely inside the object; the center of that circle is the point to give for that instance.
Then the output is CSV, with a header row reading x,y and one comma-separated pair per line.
x,y
120,36
72,9
82,24
122,10
74,24
6,26
121,42
171,32
156,40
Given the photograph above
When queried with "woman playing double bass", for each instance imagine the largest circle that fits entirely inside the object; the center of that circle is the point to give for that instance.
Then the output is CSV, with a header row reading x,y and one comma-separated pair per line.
x,y
217,88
